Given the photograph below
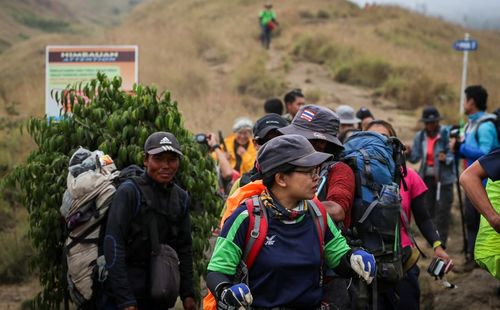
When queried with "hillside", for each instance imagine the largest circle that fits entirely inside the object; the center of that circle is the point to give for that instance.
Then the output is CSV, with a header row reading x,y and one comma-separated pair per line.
x,y
208,54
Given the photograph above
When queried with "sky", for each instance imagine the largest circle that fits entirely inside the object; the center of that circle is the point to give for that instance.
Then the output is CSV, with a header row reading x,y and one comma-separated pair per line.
x,y
473,13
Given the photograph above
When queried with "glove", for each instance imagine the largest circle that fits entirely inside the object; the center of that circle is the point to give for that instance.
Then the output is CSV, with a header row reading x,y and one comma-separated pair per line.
x,y
363,263
237,295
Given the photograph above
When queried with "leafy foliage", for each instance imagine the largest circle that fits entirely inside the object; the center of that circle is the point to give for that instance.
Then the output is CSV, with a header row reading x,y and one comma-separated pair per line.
x,y
118,123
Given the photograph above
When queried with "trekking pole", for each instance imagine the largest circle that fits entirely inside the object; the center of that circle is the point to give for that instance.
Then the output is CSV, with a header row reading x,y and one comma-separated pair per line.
x,y
461,205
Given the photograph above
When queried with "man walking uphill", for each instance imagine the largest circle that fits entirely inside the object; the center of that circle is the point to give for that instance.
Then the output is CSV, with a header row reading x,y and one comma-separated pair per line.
x,y
267,21
148,217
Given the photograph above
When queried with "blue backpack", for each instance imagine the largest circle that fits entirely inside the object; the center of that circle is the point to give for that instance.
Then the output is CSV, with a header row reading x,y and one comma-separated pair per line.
x,y
378,165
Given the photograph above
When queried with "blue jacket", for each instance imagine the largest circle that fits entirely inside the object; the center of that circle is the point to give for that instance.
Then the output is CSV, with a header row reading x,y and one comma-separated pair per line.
x,y
471,149
445,170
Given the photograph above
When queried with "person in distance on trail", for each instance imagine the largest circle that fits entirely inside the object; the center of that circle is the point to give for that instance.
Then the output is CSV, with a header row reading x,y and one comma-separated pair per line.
x,y
273,105
267,22
365,116
487,202
412,202
294,99
286,270
480,138
437,168
128,240
347,119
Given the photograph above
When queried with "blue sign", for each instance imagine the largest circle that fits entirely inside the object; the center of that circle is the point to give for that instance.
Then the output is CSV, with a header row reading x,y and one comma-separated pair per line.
x,y
465,45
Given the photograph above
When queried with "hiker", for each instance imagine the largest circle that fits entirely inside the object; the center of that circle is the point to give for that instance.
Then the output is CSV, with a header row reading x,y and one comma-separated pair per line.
x,y
294,99
437,163
240,146
320,126
130,235
480,138
406,295
273,105
225,172
265,129
487,202
347,119
267,22
286,270
365,116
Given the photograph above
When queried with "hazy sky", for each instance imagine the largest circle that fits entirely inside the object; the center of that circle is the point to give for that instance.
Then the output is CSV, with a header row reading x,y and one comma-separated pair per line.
x,y
477,11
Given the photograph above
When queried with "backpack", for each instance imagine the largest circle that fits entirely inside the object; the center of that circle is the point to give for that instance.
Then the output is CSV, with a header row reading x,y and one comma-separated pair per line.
x,y
256,237
493,118
91,184
378,165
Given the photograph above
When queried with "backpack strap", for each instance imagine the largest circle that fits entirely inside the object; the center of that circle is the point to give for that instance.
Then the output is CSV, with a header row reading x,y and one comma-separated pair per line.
x,y
407,226
318,213
367,180
257,230
486,118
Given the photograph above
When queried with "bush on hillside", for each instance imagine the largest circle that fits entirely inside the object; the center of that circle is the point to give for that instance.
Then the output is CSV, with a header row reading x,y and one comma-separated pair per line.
x,y
317,49
254,79
117,123
365,72
14,258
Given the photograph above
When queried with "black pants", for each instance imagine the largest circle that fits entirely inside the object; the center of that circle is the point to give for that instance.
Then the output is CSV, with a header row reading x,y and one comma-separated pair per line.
x,y
472,218
406,295
265,36
439,210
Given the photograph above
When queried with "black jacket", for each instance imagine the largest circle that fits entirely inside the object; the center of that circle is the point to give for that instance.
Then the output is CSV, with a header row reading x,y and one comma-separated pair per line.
x,y
127,246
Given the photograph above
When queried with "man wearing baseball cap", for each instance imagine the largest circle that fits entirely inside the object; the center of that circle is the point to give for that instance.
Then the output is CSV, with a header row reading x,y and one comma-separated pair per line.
x,y
437,163
336,189
128,241
348,119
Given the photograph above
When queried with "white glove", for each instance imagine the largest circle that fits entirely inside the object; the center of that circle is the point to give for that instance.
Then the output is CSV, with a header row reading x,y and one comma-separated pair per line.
x,y
363,263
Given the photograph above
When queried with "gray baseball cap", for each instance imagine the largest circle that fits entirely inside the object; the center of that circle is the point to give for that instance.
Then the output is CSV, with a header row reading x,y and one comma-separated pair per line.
x,y
315,122
289,149
162,141
347,115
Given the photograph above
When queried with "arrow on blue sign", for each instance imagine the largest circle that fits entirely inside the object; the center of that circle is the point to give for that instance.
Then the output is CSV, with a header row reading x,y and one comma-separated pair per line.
x,y
465,45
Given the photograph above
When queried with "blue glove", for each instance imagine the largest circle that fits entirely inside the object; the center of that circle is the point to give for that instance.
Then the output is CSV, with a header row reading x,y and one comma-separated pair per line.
x,y
363,263
237,295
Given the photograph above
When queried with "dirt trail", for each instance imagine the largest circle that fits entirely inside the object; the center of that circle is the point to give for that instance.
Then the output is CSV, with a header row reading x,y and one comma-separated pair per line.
x,y
13,296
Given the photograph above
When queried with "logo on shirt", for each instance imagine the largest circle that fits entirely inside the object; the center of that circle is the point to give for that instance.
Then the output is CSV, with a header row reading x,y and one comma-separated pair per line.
x,y
270,240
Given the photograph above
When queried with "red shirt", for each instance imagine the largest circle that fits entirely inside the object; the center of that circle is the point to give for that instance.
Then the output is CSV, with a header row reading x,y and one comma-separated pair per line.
x,y
341,188
431,141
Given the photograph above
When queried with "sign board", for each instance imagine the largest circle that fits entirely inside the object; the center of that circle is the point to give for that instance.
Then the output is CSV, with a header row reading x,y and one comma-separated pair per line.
x,y
465,45
74,64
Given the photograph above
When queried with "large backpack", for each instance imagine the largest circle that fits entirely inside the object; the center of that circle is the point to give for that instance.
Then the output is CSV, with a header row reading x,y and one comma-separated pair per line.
x,y
91,184
256,237
378,165
493,118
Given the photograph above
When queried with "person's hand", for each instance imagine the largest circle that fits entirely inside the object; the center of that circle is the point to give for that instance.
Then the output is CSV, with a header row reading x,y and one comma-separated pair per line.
x,y
442,156
130,308
237,295
441,253
407,149
241,150
189,304
363,263
495,222
453,142
211,140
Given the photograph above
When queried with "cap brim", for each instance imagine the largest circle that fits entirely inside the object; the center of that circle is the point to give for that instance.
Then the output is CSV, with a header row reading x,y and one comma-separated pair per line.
x,y
350,121
311,160
264,131
309,134
162,149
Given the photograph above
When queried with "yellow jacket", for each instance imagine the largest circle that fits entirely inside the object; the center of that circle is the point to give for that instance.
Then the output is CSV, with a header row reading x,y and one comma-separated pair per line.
x,y
247,160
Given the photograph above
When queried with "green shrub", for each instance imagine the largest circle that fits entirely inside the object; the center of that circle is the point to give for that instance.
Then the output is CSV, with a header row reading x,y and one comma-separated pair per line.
x,y
14,258
118,123
365,72
48,25
317,49
253,79
322,14
313,96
